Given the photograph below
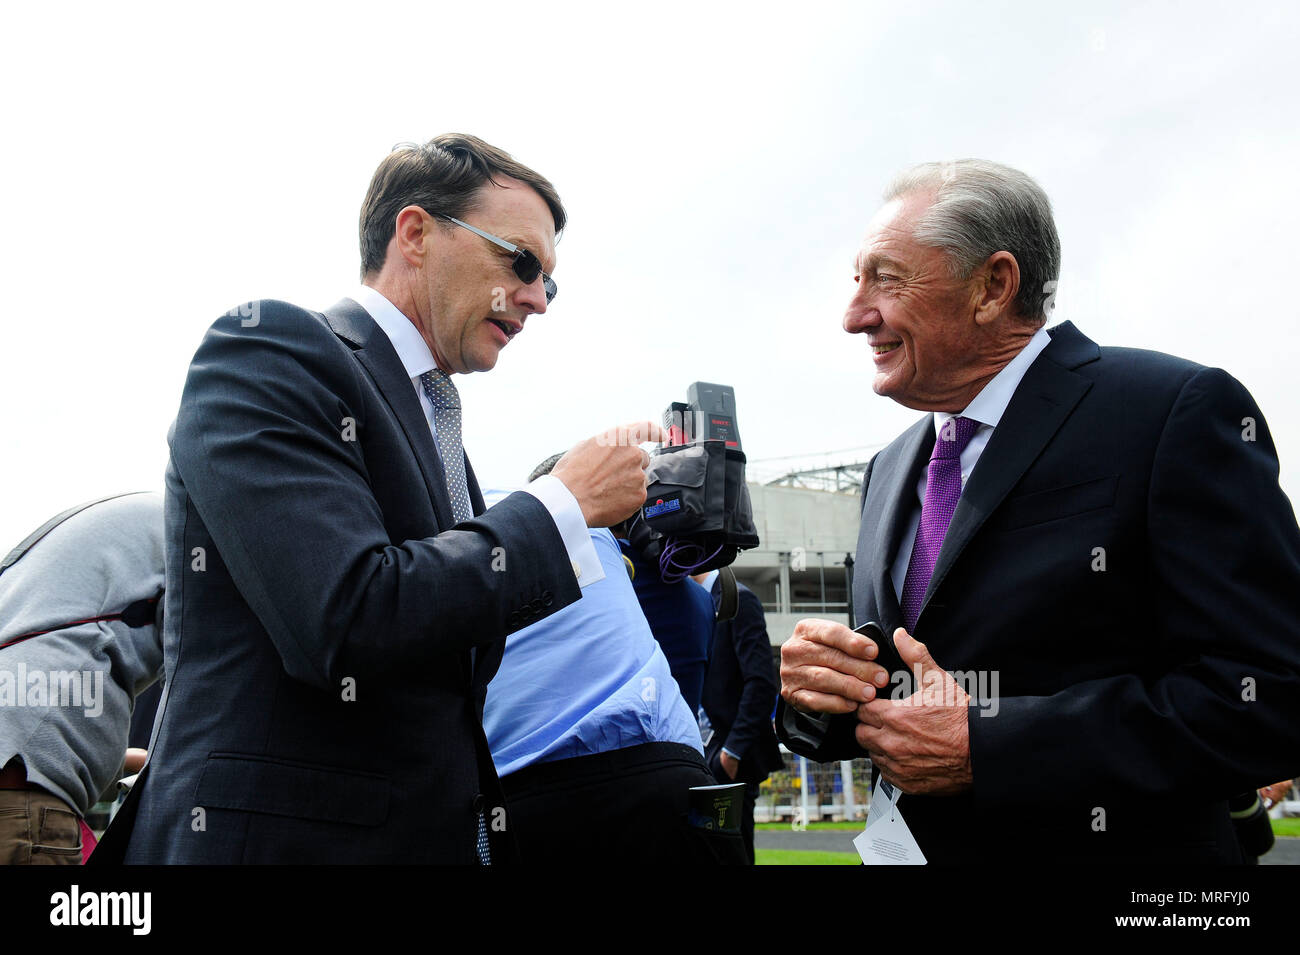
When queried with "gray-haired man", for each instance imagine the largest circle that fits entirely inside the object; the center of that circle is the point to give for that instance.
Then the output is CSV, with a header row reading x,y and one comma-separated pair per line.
x,y
1097,533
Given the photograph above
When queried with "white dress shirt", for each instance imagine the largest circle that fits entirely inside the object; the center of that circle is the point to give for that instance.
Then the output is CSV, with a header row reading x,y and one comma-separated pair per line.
x,y
987,408
416,358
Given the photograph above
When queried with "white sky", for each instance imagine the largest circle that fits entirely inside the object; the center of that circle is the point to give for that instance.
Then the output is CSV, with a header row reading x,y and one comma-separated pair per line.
x,y
719,164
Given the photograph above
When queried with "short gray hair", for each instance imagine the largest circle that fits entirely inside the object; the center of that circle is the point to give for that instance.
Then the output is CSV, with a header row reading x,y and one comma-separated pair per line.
x,y
982,207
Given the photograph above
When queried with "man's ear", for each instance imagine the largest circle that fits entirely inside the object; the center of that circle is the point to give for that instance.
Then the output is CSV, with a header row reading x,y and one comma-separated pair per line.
x,y
410,237
998,281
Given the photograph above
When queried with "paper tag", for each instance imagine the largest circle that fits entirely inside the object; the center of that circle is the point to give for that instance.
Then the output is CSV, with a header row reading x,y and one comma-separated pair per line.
x,y
886,840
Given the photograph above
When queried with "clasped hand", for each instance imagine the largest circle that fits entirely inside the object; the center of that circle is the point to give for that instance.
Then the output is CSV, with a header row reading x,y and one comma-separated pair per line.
x,y
920,743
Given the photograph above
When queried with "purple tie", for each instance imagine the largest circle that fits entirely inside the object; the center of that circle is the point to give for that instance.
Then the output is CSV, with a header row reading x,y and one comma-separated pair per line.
x,y
942,489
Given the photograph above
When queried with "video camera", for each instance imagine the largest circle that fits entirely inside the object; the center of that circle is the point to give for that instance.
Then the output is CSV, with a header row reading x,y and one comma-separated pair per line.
x,y
697,515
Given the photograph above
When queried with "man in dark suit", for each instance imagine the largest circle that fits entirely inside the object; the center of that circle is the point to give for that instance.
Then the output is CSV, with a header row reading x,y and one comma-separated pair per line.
x,y
1090,542
740,690
337,596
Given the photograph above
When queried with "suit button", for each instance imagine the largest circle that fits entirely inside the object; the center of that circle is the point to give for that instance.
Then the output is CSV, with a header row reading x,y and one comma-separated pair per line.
x,y
535,605
479,803
547,599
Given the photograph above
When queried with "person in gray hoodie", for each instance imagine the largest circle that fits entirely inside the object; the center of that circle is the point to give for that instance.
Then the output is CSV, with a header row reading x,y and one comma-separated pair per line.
x,y
80,638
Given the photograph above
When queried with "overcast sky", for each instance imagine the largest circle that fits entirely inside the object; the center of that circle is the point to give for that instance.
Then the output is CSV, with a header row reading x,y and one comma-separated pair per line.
x,y
719,164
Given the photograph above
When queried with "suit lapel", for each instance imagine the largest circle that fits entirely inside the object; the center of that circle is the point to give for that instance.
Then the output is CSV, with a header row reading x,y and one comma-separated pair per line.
x,y
476,502
376,354
484,660
1041,403
891,498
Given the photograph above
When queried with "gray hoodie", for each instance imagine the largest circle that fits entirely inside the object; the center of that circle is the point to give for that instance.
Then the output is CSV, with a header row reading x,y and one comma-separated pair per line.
x,y
66,694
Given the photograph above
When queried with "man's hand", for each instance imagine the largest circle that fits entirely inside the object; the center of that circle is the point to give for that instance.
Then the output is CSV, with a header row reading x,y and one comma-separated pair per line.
x,y
827,668
607,473
730,765
920,744
135,758
1274,793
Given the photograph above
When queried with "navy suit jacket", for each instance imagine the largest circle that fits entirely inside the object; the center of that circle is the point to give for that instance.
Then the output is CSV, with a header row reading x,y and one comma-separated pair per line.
x,y
322,703
1123,560
740,690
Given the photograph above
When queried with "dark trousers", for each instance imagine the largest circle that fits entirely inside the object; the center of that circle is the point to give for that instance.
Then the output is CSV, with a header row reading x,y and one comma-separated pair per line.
x,y
626,806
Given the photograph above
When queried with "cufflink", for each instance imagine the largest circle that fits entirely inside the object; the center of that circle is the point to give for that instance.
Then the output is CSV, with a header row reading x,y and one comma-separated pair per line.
x,y
577,568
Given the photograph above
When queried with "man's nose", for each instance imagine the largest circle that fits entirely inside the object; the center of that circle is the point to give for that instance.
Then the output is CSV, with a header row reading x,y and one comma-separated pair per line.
x,y
861,314
532,297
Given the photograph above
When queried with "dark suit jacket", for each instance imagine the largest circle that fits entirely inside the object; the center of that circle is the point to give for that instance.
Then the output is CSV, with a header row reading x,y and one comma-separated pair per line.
x,y
1123,559
740,689
320,703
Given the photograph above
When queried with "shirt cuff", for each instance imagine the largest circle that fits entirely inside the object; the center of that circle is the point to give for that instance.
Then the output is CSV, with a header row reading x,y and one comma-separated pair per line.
x,y
731,754
566,513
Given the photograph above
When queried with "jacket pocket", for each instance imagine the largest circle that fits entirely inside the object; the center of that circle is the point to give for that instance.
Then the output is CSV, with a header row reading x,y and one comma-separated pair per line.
x,y
1052,505
300,790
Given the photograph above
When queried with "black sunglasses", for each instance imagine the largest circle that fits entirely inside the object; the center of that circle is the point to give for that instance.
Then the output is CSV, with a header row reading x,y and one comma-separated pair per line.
x,y
526,265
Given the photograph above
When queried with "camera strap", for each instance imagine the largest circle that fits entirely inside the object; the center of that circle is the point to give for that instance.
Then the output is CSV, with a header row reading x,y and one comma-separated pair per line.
x,y
728,596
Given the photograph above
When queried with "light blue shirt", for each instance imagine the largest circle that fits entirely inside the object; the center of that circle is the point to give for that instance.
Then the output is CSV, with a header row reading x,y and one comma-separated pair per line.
x,y
589,678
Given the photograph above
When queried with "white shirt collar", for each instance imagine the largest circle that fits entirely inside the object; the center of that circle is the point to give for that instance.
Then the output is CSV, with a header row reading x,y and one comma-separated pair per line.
x,y
410,346
989,405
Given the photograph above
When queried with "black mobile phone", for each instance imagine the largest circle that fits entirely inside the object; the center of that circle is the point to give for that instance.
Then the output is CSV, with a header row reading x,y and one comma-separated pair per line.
x,y
872,629
887,654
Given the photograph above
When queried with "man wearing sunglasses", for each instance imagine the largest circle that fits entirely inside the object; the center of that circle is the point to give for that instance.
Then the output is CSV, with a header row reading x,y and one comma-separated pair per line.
x,y
337,596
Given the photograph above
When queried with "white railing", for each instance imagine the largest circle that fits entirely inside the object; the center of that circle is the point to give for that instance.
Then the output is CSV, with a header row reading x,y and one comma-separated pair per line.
x,y
805,791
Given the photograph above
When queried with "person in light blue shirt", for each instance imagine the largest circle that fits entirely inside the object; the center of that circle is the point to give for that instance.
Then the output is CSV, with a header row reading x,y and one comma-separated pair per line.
x,y
680,615
596,748
588,679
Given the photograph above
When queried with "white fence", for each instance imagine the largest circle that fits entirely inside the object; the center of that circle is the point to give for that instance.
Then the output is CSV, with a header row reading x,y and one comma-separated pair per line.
x,y
805,791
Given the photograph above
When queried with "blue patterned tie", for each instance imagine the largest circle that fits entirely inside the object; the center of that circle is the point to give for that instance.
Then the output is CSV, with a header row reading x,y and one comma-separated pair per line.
x,y
484,852
446,419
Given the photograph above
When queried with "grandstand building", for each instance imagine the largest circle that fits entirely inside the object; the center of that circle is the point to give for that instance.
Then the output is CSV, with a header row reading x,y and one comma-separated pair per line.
x,y
808,531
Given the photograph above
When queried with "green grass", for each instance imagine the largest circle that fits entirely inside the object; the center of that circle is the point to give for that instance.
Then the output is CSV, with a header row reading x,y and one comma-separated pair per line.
x,y
1281,827
814,826
800,857
1286,827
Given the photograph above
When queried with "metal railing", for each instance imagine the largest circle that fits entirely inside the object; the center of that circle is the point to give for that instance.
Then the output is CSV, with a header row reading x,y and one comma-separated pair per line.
x,y
804,791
